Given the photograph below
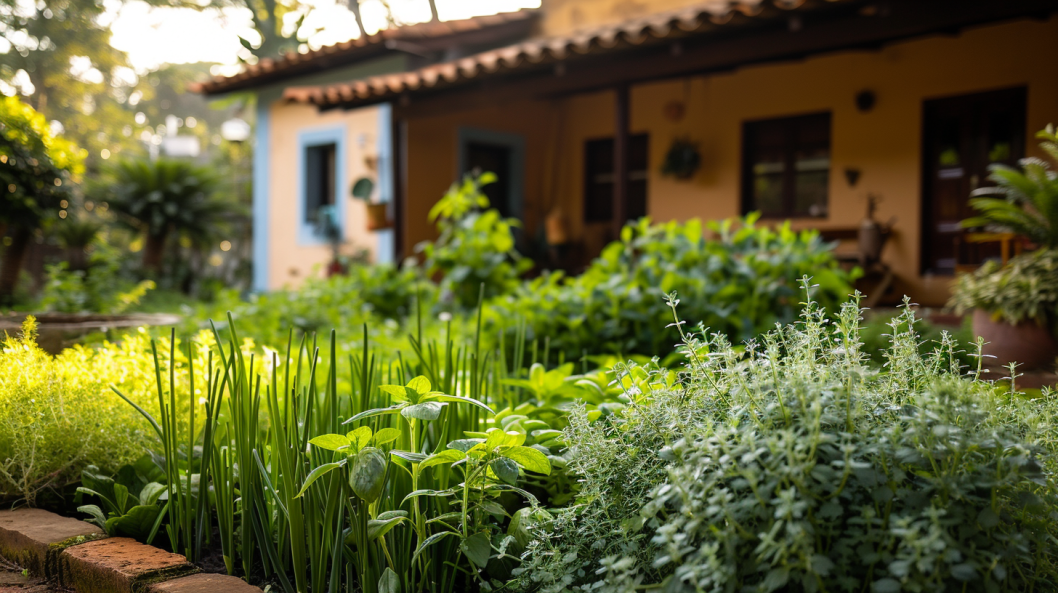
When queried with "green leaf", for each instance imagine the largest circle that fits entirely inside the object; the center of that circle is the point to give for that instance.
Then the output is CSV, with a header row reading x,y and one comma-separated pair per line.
x,y
97,515
423,411
359,438
427,492
397,392
443,457
465,445
389,582
318,473
137,523
420,384
386,435
368,477
433,539
505,469
376,528
409,456
331,442
477,548
460,399
151,492
886,586
375,412
530,459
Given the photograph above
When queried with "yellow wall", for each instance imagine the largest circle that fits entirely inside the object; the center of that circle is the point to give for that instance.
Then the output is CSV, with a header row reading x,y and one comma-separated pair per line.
x,y
885,143
288,262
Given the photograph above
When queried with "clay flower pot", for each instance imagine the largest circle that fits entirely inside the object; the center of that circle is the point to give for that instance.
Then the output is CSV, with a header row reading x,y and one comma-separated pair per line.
x,y
377,217
1028,343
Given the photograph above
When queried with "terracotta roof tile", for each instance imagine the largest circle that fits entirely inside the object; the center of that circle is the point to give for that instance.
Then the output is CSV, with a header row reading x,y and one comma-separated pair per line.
x,y
293,63
633,32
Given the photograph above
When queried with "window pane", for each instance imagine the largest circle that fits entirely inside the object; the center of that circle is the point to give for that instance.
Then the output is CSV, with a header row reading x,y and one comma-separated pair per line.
x,y
320,180
787,166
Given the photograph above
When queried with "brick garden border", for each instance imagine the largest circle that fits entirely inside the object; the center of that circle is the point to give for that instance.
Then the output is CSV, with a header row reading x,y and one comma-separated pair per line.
x,y
78,555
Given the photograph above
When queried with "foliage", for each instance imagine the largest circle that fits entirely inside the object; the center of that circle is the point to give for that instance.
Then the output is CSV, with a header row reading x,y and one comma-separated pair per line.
x,y
475,247
314,480
1025,289
36,167
164,199
99,288
1028,199
55,417
740,284
796,467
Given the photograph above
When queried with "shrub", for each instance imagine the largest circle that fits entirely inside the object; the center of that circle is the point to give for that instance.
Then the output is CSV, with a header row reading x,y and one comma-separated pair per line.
x,y
58,414
795,467
37,171
382,295
740,284
99,288
1025,289
475,249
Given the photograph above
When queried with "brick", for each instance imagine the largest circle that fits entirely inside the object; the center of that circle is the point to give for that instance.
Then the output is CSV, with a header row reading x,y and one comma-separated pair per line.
x,y
33,538
204,583
118,565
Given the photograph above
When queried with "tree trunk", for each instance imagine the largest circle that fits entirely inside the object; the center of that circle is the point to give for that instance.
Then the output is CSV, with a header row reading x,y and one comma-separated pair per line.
x,y
354,6
153,251
11,266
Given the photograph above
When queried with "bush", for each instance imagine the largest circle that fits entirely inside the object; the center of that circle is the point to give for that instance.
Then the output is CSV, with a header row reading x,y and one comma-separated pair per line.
x,y
475,248
382,295
58,414
795,467
740,284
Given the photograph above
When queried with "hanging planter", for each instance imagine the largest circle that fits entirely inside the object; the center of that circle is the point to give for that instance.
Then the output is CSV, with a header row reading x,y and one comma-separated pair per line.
x,y
682,160
377,213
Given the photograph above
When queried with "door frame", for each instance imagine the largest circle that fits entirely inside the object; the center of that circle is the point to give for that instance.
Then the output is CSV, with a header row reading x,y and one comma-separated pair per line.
x,y
516,144
925,186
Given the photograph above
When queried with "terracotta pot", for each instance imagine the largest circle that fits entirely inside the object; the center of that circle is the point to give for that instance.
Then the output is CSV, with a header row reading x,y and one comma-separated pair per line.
x,y
377,217
1027,343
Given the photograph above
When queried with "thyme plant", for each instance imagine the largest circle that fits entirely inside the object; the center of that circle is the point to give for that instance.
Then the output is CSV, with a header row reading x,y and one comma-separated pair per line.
x,y
792,465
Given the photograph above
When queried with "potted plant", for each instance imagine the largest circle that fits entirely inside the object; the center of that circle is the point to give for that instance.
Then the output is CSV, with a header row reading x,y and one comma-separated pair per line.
x,y
1015,308
377,212
1016,305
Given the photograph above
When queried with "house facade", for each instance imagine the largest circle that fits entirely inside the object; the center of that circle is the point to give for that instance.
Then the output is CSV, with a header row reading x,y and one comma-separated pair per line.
x,y
803,110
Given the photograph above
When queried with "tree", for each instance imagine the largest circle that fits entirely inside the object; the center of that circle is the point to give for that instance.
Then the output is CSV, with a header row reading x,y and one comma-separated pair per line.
x,y
164,199
61,59
37,172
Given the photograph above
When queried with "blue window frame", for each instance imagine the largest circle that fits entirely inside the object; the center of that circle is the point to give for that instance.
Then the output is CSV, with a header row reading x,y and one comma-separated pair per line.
x,y
321,182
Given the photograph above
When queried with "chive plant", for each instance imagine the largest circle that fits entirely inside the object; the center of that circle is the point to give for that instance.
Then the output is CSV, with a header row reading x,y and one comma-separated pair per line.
x,y
373,475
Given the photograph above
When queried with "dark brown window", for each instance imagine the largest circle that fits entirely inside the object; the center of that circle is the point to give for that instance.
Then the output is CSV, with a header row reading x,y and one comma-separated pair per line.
x,y
320,180
786,166
599,178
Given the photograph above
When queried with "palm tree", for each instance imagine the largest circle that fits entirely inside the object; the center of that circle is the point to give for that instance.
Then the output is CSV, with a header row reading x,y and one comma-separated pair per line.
x,y
167,198
1027,202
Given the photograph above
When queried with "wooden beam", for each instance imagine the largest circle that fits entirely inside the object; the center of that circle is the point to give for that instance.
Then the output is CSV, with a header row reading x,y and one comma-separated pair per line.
x,y
620,160
770,41
399,136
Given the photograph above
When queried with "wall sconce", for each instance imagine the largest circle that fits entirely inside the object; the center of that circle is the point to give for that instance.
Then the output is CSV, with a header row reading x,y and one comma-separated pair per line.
x,y
852,176
865,100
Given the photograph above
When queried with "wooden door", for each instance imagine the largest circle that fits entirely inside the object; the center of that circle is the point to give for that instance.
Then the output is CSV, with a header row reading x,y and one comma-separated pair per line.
x,y
963,136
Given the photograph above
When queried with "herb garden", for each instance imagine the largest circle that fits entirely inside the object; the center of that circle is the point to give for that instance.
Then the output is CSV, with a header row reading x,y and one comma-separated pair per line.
x,y
703,409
